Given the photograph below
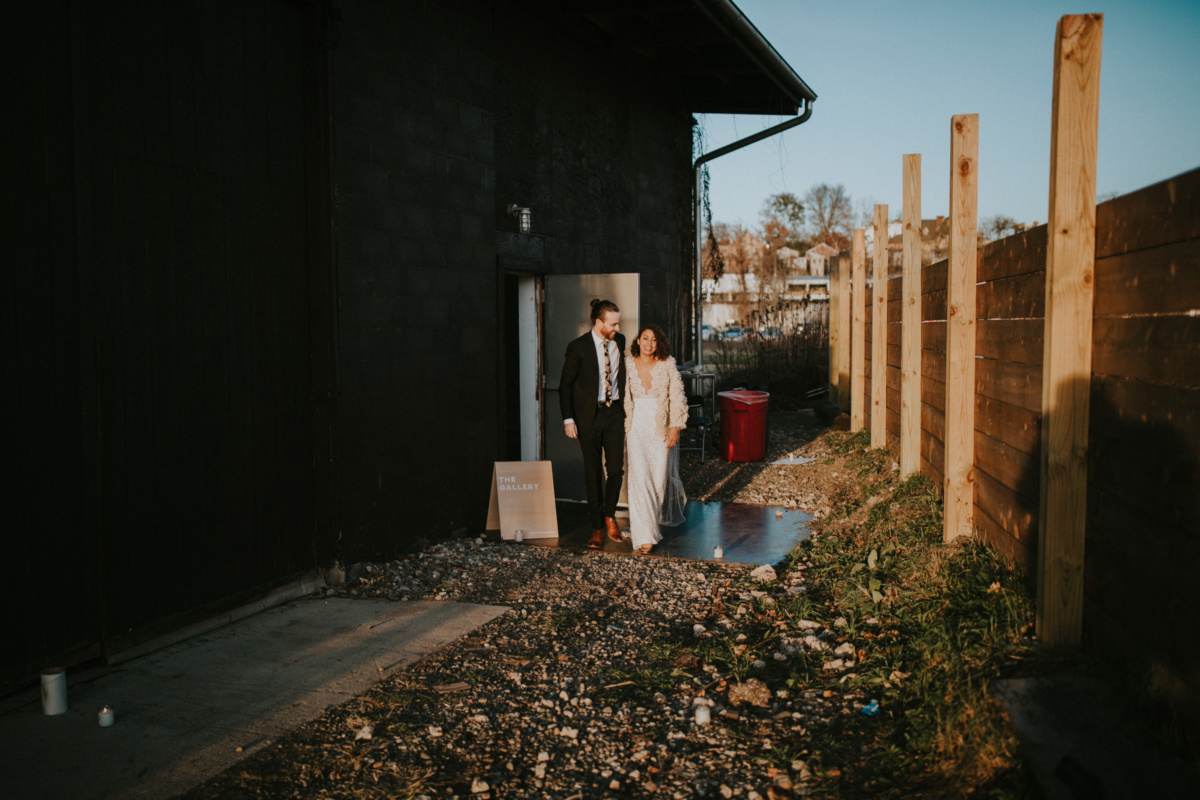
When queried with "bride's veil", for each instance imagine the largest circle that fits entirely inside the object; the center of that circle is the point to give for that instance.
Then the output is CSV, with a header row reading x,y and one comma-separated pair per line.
x,y
674,498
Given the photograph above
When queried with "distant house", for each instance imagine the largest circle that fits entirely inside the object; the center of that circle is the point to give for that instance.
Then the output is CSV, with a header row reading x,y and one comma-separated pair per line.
x,y
818,259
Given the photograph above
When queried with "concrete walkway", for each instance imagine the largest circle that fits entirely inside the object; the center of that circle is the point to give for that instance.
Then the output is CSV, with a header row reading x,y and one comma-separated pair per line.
x,y
190,711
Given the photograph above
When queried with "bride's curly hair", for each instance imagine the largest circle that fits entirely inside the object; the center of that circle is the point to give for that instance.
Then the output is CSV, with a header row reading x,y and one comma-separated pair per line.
x,y
662,347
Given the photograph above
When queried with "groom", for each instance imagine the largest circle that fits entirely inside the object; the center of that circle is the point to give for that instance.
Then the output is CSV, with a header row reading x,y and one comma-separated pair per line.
x,y
593,411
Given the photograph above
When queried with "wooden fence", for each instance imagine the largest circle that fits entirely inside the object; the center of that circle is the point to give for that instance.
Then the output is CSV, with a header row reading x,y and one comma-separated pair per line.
x,y
1130,417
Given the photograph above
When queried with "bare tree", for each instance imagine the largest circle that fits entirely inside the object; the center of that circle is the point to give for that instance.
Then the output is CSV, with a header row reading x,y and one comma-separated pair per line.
x,y
829,212
998,227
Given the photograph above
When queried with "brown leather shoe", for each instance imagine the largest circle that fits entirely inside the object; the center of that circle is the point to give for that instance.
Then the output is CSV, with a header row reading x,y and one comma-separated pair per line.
x,y
597,541
614,530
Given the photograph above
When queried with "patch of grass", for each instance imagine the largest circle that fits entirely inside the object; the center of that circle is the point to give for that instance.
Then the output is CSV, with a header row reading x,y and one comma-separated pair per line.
x,y
840,443
565,618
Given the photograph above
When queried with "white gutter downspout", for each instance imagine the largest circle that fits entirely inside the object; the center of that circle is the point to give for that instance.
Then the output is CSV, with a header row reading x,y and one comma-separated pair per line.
x,y
700,162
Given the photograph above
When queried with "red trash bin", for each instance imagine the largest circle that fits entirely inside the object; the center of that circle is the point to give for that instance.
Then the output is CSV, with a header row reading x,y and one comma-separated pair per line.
x,y
743,425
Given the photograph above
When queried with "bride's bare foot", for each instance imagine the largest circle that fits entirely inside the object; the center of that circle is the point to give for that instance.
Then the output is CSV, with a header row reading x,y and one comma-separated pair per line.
x,y
646,549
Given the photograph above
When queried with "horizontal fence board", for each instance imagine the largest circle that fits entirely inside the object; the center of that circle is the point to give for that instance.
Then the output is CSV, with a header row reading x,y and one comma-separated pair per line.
x,y
893,348
1162,213
1008,545
1159,608
893,427
934,277
1123,408
893,384
933,451
1020,340
933,306
1013,255
1149,467
894,295
1016,426
933,337
933,383
1158,349
1007,465
1017,297
1157,281
933,421
1016,515
1010,382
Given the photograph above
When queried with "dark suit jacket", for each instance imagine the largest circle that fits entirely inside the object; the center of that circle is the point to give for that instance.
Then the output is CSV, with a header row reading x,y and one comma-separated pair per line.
x,y
580,383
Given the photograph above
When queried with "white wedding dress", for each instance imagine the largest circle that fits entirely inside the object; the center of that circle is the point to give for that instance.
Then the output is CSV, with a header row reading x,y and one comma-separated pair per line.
x,y
649,411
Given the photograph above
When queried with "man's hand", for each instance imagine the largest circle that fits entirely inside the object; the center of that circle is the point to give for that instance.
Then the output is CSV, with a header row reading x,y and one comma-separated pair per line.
x,y
672,437
573,432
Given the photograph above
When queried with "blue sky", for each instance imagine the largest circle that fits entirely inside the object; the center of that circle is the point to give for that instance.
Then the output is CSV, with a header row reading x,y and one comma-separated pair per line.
x,y
889,76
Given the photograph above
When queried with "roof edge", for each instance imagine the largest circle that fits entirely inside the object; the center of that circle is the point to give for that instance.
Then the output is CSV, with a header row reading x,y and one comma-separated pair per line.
x,y
733,21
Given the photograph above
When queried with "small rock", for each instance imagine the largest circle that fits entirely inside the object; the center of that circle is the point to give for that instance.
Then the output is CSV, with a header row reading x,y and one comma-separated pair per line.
x,y
570,733
698,629
435,731
479,785
366,732
764,574
753,692
840,622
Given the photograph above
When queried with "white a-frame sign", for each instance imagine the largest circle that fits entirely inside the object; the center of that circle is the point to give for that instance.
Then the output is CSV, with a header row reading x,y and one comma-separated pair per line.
x,y
523,500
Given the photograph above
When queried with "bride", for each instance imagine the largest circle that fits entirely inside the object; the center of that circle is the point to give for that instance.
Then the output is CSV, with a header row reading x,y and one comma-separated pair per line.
x,y
655,411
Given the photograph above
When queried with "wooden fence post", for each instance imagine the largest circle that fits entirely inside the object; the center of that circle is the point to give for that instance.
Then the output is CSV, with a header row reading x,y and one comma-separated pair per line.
x,y
960,328
858,349
843,280
879,331
1067,354
910,321
835,332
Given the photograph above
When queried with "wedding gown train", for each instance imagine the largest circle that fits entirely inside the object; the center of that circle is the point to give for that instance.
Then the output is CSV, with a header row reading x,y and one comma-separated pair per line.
x,y
649,412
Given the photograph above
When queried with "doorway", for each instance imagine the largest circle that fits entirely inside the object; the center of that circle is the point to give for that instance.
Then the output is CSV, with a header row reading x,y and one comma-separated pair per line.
x,y
522,367
567,317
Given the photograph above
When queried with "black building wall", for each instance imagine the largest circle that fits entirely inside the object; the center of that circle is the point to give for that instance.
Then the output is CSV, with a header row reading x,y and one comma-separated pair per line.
x,y
162,192
444,115
414,181
254,256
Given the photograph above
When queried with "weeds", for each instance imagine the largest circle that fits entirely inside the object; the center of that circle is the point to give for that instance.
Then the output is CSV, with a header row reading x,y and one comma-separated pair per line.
x,y
948,619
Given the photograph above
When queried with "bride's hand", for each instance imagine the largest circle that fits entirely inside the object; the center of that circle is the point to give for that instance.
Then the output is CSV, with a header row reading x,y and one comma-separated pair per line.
x,y
672,437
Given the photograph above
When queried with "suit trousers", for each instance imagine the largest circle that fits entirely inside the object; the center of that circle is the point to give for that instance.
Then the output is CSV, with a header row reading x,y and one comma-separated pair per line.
x,y
603,444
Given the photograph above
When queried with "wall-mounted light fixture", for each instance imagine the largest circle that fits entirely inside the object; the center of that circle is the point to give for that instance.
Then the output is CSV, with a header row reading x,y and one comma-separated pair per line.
x,y
523,217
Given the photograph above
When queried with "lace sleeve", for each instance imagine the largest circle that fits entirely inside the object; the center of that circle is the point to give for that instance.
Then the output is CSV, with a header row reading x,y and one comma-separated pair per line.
x,y
676,398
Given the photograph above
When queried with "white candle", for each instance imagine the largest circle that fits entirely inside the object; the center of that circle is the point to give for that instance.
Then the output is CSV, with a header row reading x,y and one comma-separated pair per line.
x,y
718,552
106,717
703,715
779,513
520,536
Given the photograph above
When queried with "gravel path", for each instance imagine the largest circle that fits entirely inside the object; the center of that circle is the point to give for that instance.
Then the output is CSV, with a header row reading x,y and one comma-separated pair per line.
x,y
611,676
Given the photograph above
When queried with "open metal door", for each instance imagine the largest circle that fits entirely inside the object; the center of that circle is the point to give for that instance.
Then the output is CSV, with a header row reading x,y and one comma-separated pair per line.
x,y
567,311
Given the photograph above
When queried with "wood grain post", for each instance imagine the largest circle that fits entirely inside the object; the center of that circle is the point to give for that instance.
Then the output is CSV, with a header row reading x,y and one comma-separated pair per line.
x,y
1067,354
835,333
843,280
879,330
858,345
910,321
960,328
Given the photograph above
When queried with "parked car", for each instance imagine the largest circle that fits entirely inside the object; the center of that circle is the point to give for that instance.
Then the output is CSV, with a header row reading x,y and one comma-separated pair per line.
x,y
707,333
770,333
734,333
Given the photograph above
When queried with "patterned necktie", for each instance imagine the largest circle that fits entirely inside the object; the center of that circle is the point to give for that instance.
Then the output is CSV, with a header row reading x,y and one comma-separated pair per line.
x,y
607,375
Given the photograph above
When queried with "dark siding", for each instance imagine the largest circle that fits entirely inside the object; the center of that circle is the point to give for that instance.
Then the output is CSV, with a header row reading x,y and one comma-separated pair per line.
x,y
417,303
197,172
51,612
